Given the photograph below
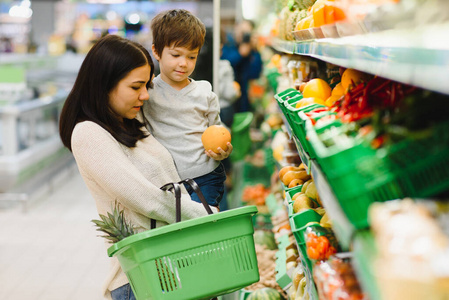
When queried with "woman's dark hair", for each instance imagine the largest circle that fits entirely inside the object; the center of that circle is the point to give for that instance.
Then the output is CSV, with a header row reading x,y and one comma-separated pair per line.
x,y
109,61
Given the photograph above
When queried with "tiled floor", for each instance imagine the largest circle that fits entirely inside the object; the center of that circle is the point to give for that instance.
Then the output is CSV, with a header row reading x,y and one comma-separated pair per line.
x,y
52,250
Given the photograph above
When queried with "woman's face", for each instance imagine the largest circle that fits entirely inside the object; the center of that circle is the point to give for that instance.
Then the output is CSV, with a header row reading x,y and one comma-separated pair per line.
x,y
126,99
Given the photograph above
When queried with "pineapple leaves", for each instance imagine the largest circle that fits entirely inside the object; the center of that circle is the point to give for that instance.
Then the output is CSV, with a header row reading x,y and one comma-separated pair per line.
x,y
114,225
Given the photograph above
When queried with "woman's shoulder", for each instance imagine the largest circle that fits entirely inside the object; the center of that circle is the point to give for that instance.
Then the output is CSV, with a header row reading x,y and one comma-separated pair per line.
x,y
89,131
86,126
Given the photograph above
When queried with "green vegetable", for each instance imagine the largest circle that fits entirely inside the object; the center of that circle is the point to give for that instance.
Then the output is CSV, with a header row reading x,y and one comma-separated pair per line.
x,y
265,294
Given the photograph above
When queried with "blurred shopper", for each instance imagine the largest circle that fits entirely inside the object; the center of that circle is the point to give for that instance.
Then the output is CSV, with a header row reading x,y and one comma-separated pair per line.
x,y
180,109
245,59
119,160
228,89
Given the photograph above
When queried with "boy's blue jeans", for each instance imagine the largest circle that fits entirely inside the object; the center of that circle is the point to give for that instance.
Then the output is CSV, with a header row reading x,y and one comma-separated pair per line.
x,y
211,185
123,293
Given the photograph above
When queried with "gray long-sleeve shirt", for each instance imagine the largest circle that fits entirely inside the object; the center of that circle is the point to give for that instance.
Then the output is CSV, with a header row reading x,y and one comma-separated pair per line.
x,y
226,91
177,120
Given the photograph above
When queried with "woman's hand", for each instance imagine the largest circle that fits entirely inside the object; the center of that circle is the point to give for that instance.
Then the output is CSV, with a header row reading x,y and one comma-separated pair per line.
x,y
221,153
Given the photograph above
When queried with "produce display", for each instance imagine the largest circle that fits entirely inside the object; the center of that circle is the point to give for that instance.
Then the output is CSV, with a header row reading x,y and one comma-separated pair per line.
x,y
345,146
265,294
411,244
266,265
315,19
255,194
336,280
320,243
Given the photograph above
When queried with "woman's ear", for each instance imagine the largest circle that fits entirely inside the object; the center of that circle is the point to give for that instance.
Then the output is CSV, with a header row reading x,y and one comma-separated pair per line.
x,y
155,54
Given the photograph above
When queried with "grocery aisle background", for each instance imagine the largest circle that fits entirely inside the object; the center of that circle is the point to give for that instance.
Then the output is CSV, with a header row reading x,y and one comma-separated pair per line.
x,y
51,250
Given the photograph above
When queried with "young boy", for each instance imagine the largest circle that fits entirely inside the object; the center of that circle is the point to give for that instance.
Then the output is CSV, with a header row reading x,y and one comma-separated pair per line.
x,y
180,108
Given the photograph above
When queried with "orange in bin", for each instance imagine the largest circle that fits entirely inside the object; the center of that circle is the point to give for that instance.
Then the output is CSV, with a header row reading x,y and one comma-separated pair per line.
x,y
325,13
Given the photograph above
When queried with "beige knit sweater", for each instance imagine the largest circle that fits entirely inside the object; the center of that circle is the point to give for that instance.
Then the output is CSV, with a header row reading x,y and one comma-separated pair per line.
x,y
133,177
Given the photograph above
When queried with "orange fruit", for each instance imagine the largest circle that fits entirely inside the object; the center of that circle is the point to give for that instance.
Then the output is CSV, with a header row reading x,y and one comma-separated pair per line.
x,y
353,76
216,136
318,14
331,100
338,90
317,88
302,86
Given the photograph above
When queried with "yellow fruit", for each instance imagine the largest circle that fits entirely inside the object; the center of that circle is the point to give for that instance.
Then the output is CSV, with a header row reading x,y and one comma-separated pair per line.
x,y
214,137
331,100
302,202
295,182
296,278
285,169
317,88
325,221
290,175
296,195
338,90
274,120
277,153
304,186
352,77
304,23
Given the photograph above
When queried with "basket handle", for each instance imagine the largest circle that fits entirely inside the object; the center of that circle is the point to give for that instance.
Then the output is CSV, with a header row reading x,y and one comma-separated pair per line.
x,y
177,191
175,186
197,190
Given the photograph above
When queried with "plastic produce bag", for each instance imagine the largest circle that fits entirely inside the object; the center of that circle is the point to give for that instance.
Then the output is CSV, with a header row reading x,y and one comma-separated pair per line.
x,y
320,243
335,280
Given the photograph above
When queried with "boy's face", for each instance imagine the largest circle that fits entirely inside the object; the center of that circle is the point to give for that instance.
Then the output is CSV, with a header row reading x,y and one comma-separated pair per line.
x,y
176,65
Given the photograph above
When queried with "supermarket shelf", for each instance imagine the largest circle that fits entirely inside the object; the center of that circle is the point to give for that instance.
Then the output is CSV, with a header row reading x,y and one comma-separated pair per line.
x,y
343,229
418,57
365,253
341,225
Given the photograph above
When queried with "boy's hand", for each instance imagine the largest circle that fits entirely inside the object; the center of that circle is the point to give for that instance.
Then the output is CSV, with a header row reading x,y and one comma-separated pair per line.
x,y
221,154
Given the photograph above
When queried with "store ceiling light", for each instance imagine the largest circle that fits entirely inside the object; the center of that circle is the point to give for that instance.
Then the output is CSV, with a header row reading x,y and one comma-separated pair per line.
x,y
106,1
112,15
249,9
133,18
22,10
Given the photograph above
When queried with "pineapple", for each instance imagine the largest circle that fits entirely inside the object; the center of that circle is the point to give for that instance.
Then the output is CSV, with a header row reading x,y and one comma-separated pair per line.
x,y
292,20
114,225
305,4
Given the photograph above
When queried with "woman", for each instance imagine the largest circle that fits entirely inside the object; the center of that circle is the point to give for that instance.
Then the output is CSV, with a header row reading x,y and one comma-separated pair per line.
x,y
119,160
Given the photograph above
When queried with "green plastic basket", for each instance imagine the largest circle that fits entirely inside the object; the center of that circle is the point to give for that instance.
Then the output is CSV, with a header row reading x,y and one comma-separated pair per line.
x,y
422,164
305,122
243,294
253,175
357,174
241,140
272,78
298,123
360,175
284,96
290,192
194,259
298,227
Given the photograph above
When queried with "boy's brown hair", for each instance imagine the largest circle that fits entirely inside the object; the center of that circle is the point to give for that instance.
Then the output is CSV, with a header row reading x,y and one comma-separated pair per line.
x,y
178,27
